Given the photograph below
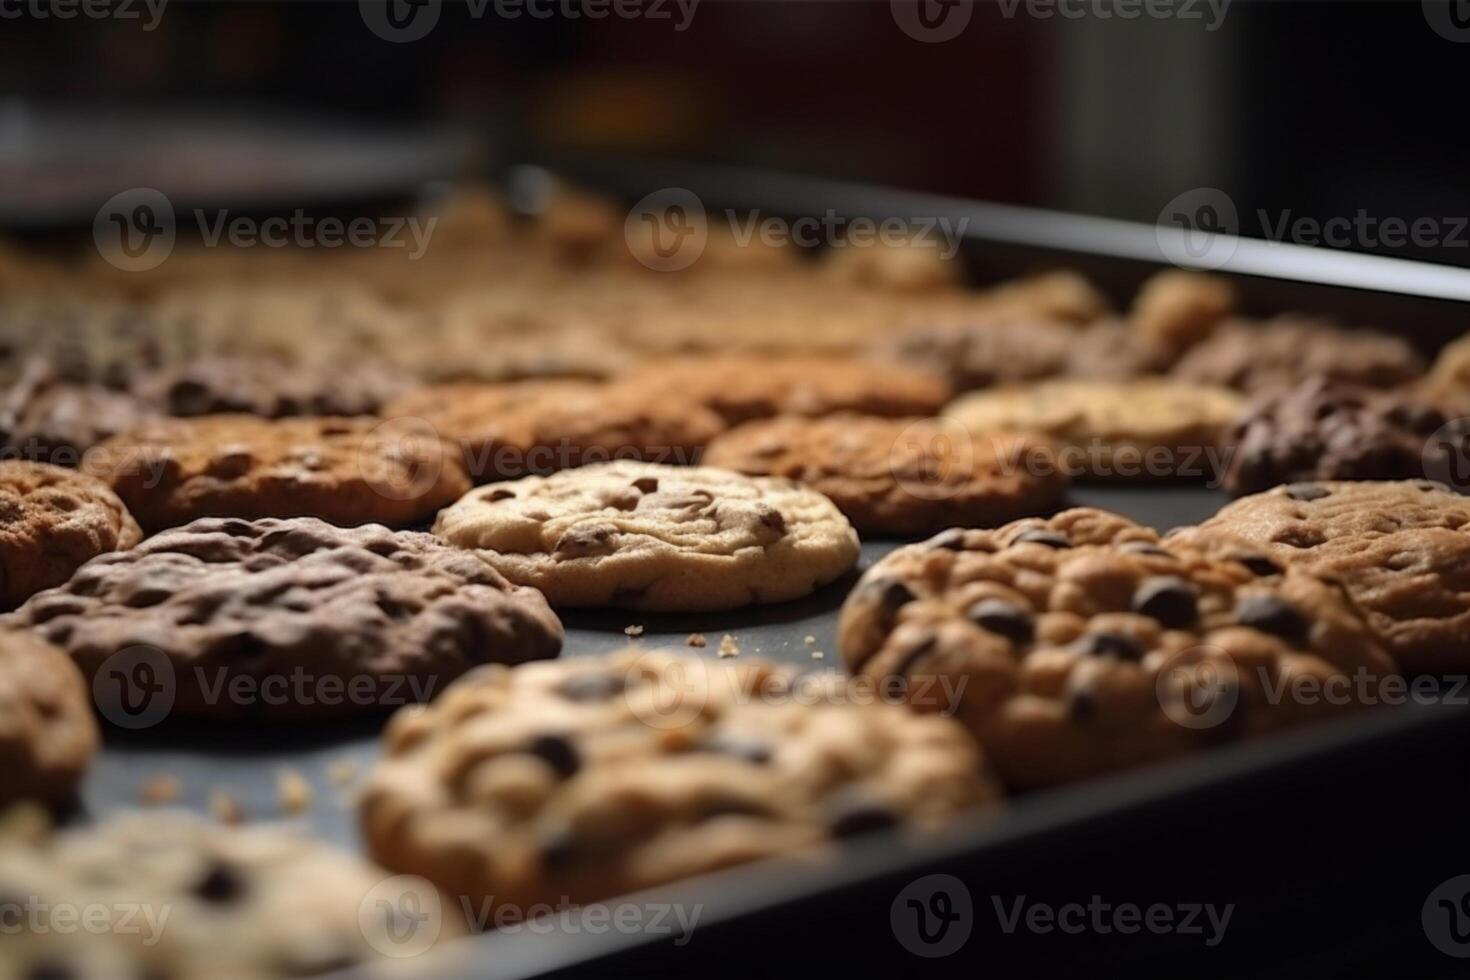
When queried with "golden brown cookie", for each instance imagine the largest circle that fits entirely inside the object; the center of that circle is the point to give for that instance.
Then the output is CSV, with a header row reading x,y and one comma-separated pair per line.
x,y
900,476
48,733
343,470
1081,644
52,521
593,777
1174,310
510,430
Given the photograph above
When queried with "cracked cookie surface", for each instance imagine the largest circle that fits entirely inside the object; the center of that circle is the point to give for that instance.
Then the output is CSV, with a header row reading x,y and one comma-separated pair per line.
x,y
52,521
48,734
895,476
593,777
343,470
1082,644
312,620
648,536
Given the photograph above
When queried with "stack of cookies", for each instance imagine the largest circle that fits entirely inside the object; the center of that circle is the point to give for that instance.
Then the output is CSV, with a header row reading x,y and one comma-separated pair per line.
x,y
239,473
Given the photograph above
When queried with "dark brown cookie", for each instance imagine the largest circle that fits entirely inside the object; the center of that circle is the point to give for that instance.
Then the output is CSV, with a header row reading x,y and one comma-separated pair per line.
x,y
1278,353
48,732
47,420
269,387
293,618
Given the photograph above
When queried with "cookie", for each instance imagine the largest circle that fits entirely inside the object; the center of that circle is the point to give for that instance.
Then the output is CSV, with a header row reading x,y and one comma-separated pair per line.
x,y
649,536
268,387
1398,548
1448,382
1111,348
1138,430
1283,351
898,477
296,618
344,470
1327,430
48,734
596,777
1174,310
511,430
741,388
912,266
1082,645
983,354
47,420
193,900
52,521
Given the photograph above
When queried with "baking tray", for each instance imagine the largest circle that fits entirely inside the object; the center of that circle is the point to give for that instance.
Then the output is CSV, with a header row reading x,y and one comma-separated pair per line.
x,y
1325,842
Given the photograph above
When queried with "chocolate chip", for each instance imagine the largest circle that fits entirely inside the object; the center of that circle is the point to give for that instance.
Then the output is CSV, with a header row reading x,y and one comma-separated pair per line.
x,y
1003,618
221,884
1167,598
49,970
772,519
858,814
1082,706
892,594
1040,535
647,484
951,540
1307,491
558,849
1110,645
1270,614
746,747
1260,565
557,752
593,687
1143,548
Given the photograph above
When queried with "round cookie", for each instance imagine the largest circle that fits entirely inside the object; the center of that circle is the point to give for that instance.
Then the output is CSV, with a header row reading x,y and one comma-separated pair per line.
x,y
1327,430
195,900
48,734
594,777
898,477
292,618
1175,309
1134,430
510,430
1082,645
268,387
743,387
52,521
1277,353
648,536
1400,550
343,470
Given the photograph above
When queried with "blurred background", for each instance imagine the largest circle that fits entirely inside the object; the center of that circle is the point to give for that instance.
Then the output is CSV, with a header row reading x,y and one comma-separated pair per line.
x,y
1309,110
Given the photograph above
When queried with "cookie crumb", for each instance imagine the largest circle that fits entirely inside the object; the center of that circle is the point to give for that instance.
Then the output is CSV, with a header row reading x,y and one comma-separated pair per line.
x,y
728,646
342,772
159,790
294,792
696,640
809,640
634,630
818,655
226,808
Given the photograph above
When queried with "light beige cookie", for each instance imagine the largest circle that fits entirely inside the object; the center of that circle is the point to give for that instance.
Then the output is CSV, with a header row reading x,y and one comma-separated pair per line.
x,y
48,734
649,536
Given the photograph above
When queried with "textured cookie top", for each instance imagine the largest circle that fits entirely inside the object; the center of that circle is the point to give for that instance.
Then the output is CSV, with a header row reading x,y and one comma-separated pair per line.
x,y
1083,638
648,536
593,777
51,521
1401,549
345,470
1326,430
47,420
900,476
509,430
1282,351
741,388
268,387
239,902
269,596
983,354
47,730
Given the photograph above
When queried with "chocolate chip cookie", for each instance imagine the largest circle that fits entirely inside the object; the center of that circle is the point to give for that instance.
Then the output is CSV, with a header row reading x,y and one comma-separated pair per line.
x,y
1400,549
47,730
344,470
52,521
595,777
649,536
1280,352
1326,430
511,430
291,618
1138,430
897,477
741,388
268,387
1082,644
